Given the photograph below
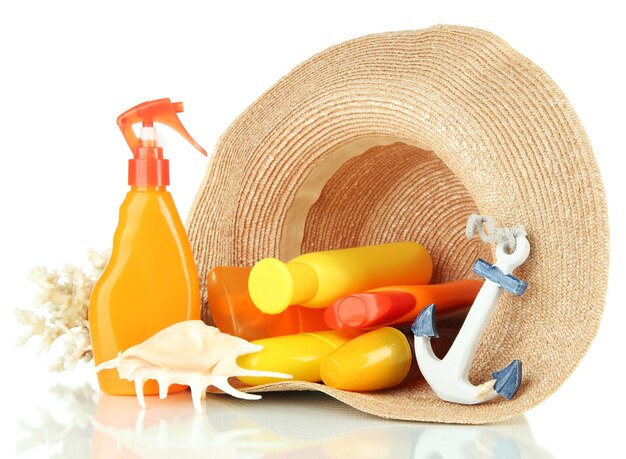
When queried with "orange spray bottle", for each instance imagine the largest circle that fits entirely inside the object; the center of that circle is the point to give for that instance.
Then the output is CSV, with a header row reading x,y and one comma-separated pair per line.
x,y
150,281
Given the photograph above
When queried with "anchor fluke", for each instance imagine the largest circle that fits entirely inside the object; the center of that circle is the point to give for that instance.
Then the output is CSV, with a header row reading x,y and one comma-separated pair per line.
x,y
425,324
508,379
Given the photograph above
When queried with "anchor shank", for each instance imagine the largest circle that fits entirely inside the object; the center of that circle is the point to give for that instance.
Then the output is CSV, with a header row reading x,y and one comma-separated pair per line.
x,y
462,352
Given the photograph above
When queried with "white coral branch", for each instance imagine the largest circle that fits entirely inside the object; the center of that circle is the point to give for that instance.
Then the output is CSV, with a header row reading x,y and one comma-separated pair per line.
x,y
60,310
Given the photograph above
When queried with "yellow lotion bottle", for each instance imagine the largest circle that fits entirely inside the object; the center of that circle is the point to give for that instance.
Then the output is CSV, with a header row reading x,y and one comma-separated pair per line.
x,y
150,281
317,279
299,355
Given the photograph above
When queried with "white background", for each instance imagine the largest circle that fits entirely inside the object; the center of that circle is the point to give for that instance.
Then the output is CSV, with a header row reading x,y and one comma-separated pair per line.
x,y
68,68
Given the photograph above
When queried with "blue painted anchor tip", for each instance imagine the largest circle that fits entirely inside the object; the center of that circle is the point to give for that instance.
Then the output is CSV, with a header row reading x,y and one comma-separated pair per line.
x,y
425,324
508,380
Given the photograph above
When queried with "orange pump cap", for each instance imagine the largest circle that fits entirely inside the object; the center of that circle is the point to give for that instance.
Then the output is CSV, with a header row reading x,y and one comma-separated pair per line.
x,y
148,167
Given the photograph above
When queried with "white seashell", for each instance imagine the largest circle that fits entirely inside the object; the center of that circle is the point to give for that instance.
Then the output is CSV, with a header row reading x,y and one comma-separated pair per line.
x,y
189,353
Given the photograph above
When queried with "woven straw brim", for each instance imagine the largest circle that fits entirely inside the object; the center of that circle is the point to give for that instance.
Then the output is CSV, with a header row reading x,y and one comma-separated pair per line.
x,y
401,136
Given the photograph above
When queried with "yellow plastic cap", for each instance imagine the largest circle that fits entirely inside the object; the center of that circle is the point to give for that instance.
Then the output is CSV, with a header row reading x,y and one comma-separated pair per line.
x,y
275,285
377,360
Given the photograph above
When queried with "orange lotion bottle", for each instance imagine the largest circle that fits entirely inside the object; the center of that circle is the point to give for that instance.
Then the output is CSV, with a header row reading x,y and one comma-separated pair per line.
x,y
150,281
234,312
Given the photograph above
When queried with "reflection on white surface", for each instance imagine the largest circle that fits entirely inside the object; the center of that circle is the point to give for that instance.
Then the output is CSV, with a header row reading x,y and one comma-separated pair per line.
x,y
170,429
60,428
281,425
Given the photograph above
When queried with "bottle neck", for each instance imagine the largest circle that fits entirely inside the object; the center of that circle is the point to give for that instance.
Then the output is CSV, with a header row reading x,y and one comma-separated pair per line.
x,y
148,172
144,188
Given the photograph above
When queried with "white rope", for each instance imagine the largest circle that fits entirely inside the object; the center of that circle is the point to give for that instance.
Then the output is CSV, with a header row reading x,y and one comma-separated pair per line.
x,y
506,236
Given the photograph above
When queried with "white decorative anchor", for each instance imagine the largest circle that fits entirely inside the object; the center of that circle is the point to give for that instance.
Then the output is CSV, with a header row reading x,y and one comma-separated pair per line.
x,y
448,377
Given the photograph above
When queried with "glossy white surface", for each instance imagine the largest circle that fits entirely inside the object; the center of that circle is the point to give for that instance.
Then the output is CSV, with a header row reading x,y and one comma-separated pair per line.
x,y
69,67
281,425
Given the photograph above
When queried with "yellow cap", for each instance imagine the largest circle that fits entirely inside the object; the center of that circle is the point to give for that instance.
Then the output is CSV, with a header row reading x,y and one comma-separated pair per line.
x,y
377,360
275,285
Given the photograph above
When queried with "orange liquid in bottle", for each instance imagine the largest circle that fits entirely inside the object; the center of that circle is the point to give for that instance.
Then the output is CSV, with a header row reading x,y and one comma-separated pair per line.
x,y
149,283
234,312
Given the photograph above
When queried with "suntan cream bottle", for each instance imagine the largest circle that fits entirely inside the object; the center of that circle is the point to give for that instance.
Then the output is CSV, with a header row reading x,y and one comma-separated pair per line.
x,y
299,355
234,313
150,281
317,279
400,304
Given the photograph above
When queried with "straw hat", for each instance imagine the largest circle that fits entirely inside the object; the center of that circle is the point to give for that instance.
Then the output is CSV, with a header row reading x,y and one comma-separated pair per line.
x,y
401,136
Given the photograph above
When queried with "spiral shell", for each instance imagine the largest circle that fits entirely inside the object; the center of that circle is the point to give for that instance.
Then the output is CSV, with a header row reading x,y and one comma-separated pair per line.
x,y
189,353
